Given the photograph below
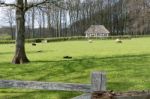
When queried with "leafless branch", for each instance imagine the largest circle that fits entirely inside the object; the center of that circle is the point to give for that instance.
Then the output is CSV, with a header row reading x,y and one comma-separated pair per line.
x,y
31,5
3,4
36,4
147,3
55,3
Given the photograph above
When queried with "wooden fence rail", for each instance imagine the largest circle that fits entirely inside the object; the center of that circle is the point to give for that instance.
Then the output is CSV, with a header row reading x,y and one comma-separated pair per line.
x,y
45,85
98,84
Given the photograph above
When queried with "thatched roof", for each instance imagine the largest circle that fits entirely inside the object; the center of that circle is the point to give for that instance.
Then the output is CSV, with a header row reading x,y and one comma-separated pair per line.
x,y
97,29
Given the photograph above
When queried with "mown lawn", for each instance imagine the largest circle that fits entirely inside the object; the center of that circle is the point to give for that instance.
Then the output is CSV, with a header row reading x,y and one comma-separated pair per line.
x,y
127,66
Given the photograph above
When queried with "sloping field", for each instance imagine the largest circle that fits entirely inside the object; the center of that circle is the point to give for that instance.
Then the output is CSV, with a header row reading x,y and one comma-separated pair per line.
x,y
127,66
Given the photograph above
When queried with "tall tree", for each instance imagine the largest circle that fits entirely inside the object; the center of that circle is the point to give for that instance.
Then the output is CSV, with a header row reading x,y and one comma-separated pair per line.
x,y
22,6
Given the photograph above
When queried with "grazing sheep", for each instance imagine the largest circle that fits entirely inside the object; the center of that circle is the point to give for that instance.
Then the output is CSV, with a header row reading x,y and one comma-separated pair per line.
x,y
118,41
33,44
44,41
90,41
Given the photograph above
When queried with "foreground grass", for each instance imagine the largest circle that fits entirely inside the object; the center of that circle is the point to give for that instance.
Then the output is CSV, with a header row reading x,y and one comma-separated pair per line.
x,y
127,66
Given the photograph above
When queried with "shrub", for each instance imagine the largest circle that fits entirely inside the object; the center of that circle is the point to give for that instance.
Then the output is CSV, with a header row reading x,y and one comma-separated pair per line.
x,y
38,40
7,41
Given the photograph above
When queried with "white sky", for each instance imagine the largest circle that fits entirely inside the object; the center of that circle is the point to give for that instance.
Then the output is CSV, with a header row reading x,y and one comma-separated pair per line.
x,y
2,15
9,1
2,23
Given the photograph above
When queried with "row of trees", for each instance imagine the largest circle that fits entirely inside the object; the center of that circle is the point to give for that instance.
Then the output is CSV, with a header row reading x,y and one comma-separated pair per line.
x,y
73,17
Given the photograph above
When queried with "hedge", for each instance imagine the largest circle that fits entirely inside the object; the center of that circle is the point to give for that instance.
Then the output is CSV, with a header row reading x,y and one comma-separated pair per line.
x,y
39,40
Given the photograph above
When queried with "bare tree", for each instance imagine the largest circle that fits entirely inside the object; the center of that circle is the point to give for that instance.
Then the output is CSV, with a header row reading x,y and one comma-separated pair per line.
x,y
10,19
22,6
33,22
28,23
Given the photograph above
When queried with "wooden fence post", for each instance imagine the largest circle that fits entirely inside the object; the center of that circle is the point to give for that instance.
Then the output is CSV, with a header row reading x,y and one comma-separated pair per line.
x,y
98,81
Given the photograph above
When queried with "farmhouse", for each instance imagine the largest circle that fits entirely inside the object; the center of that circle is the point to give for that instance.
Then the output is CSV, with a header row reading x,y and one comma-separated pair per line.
x,y
97,31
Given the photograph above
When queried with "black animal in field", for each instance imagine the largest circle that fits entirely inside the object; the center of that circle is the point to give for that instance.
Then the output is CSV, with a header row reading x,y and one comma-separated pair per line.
x,y
33,44
67,57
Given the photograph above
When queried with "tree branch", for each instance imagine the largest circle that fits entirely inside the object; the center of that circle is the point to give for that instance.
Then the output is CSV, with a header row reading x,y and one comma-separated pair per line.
x,y
44,2
29,6
59,6
36,4
147,3
3,4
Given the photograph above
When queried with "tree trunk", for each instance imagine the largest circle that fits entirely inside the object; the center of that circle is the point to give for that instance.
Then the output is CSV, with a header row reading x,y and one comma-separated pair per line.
x,y
20,55
33,20
11,31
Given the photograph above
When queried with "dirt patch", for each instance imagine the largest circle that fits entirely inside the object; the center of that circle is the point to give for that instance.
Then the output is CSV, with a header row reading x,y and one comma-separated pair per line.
x,y
123,95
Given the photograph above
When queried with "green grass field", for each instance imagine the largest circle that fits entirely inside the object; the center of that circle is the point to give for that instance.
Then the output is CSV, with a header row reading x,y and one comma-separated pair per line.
x,y
127,66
